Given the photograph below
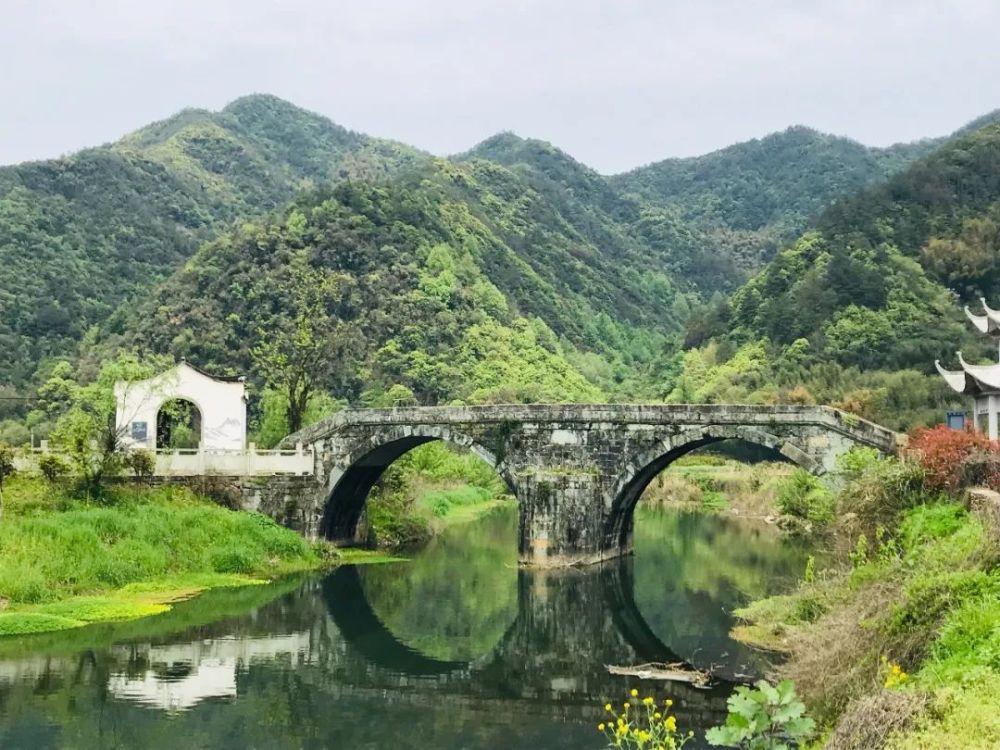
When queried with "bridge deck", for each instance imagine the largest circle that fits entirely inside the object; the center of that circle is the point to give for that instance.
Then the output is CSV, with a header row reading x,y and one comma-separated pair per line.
x,y
858,429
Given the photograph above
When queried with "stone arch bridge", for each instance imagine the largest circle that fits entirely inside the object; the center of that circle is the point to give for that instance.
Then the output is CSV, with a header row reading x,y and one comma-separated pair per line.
x,y
577,471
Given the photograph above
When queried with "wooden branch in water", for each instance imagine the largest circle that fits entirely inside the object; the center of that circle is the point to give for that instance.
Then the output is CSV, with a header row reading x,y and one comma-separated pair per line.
x,y
678,672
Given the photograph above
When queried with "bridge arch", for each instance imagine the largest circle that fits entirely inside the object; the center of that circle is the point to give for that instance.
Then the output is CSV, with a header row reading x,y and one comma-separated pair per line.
x,y
362,464
643,467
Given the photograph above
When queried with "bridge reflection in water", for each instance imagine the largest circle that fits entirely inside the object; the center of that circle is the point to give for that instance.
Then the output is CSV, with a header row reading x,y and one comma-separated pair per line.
x,y
570,624
331,663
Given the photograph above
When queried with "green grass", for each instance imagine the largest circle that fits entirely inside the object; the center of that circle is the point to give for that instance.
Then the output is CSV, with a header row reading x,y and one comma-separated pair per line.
x,y
65,563
441,502
963,716
356,556
431,487
24,623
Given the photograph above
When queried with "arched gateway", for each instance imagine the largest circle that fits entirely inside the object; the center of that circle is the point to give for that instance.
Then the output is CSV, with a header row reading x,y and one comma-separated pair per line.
x,y
577,470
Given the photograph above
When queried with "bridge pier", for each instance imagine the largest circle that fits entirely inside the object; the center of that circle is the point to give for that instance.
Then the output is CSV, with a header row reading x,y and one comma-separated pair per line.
x,y
562,519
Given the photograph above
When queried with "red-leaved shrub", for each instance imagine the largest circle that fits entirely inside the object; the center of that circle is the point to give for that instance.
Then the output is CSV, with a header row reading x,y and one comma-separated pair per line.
x,y
945,455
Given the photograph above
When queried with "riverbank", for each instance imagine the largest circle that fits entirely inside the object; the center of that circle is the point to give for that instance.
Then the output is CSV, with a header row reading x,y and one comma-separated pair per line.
x,y
65,563
899,645
721,485
428,490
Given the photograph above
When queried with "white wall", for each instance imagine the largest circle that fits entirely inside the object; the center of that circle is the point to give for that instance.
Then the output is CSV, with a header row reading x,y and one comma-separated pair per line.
x,y
222,406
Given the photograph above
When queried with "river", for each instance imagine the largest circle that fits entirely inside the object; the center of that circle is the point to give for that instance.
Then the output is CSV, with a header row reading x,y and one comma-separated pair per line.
x,y
454,649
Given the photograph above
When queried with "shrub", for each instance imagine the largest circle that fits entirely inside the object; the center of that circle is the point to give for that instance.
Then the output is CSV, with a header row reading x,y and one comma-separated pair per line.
x,y
856,462
943,453
53,467
982,468
883,491
140,462
803,496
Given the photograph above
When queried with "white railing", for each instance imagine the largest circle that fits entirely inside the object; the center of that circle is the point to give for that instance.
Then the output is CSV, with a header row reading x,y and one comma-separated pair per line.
x,y
197,462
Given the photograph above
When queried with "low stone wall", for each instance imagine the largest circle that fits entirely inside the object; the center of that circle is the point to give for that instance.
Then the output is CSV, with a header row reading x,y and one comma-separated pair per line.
x,y
250,461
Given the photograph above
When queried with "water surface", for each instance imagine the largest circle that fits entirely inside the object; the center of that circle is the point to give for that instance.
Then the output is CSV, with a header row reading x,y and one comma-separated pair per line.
x,y
456,649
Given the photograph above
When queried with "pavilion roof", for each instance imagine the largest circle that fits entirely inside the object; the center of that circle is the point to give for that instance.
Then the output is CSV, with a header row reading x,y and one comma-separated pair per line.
x,y
988,322
971,379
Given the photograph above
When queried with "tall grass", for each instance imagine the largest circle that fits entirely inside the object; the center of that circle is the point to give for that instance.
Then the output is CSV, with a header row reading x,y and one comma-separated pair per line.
x,y
47,554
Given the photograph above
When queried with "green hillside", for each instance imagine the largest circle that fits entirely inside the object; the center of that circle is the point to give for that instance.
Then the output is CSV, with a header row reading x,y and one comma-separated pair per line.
x,y
696,259
457,281
858,308
753,196
82,234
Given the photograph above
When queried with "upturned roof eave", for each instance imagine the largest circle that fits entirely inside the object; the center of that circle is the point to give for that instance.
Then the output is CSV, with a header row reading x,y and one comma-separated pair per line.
x,y
988,322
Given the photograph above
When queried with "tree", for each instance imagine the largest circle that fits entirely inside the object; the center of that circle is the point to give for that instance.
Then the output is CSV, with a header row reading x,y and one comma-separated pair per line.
x,y
7,469
298,349
272,424
87,429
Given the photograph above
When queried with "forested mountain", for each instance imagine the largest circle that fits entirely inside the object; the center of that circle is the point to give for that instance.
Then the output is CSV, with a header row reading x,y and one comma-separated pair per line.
x,y
509,272
862,284
694,258
81,234
753,196
455,281
876,285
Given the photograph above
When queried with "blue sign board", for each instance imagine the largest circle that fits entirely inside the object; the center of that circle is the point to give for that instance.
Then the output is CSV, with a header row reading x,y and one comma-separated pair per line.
x,y
955,420
139,432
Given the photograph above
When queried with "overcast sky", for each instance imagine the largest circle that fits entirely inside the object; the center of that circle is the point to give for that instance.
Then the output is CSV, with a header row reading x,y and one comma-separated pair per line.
x,y
616,84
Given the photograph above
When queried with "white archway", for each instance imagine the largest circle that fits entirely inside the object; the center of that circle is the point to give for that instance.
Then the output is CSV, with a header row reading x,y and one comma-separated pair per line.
x,y
221,402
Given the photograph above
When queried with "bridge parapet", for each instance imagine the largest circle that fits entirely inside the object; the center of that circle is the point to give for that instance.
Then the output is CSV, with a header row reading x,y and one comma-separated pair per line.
x,y
577,470
860,430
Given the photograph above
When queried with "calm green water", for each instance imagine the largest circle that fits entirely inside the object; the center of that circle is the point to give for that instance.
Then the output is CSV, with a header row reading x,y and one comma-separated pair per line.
x,y
456,649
